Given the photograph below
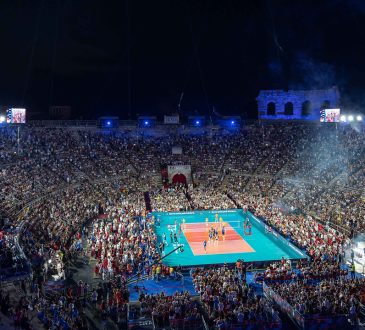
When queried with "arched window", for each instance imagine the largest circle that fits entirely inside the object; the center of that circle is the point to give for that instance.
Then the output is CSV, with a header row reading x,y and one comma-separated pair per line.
x,y
271,109
306,108
325,105
289,109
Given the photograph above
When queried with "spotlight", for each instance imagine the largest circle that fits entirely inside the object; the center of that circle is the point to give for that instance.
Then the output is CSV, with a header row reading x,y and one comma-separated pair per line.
x,y
197,122
343,119
359,118
108,123
2,119
146,123
232,122
351,118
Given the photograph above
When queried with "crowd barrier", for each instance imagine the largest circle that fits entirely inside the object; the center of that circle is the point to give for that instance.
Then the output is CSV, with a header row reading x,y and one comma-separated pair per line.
x,y
285,307
307,322
309,281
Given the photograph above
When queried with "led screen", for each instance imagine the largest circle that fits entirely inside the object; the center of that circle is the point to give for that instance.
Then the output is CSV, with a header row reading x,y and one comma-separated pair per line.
x,y
330,115
16,116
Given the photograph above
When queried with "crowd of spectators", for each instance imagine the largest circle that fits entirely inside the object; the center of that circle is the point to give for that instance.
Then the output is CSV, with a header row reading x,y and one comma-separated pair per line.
x,y
230,301
177,311
13,262
314,271
305,181
329,297
122,245
170,199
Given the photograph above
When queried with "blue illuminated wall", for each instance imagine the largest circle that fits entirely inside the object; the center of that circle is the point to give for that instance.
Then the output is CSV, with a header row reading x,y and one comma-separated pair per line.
x,y
296,104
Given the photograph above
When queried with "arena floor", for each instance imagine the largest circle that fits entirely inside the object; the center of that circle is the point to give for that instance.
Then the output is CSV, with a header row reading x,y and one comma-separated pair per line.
x,y
259,246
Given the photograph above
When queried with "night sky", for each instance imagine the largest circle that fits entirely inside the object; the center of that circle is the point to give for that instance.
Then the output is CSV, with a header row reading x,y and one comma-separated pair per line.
x,y
106,57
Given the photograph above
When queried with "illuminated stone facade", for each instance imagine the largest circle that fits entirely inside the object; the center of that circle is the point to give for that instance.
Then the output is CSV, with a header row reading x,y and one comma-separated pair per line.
x,y
296,104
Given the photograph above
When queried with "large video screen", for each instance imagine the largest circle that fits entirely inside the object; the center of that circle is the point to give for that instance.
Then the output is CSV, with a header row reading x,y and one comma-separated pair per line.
x,y
16,115
330,115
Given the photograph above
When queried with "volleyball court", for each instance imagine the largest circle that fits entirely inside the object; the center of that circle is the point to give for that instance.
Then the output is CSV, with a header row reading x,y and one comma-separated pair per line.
x,y
231,242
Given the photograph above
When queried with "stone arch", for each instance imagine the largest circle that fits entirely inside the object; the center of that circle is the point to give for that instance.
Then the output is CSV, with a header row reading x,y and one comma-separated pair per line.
x,y
306,108
271,109
289,109
179,178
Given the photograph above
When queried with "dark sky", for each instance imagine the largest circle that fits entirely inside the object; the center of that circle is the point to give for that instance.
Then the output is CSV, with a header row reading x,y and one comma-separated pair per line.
x,y
219,52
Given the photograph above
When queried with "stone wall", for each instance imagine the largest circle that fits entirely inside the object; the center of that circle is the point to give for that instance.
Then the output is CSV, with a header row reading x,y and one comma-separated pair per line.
x,y
328,98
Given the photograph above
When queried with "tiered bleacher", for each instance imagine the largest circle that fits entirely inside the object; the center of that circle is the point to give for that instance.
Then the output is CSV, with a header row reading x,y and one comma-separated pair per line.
x,y
73,194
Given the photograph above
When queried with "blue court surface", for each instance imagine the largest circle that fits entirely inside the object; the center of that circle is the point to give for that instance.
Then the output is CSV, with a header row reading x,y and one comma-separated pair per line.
x,y
261,245
166,285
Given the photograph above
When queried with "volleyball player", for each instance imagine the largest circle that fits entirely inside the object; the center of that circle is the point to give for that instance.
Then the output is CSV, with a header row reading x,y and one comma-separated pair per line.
x,y
183,224
206,222
247,225
210,234
179,233
216,218
205,246
223,232
216,237
220,222
249,229
164,239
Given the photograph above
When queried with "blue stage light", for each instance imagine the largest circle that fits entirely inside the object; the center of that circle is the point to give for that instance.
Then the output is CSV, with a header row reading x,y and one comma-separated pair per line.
x,y
232,122
197,122
146,123
108,123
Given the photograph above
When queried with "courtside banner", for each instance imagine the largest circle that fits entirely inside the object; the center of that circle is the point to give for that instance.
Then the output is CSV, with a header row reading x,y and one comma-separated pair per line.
x,y
171,119
180,213
223,211
185,170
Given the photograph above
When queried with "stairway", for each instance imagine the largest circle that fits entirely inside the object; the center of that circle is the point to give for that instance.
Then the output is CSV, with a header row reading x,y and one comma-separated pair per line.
x,y
147,200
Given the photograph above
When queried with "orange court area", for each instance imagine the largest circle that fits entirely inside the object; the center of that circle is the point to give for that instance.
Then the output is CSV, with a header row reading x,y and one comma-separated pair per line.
x,y
196,233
